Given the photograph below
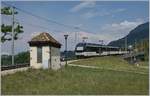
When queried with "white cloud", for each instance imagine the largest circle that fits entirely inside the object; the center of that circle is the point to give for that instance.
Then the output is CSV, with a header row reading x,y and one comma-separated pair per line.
x,y
89,14
115,31
82,5
119,10
33,34
93,13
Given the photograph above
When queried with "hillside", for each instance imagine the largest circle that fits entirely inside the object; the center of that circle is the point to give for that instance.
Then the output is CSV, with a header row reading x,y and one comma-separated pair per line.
x,y
137,34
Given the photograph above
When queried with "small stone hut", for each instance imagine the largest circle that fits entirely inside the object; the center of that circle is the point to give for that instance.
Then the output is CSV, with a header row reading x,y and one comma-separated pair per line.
x,y
44,52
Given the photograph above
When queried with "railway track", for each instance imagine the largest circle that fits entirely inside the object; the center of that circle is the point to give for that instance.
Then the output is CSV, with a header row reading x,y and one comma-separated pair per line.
x,y
9,67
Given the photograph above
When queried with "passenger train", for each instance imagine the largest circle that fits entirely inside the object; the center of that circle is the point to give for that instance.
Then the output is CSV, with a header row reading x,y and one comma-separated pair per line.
x,y
91,49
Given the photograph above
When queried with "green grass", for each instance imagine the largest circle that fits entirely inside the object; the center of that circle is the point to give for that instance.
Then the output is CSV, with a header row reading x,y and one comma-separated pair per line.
x,y
114,63
77,80
144,63
74,80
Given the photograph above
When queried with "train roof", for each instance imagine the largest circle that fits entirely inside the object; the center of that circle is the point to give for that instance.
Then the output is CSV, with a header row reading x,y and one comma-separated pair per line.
x,y
95,45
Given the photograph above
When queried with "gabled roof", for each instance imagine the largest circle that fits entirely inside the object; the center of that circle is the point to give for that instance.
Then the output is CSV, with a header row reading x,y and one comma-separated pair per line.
x,y
44,39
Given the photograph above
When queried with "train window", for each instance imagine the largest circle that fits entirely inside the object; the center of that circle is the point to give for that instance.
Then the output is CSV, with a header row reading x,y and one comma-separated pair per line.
x,y
92,49
79,48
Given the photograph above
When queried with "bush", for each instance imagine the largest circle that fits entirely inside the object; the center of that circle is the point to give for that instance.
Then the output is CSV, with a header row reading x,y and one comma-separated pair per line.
x,y
20,58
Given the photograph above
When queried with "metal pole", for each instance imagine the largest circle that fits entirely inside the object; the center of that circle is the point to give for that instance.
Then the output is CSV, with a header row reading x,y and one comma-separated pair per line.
x,y
126,44
12,36
76,35
135,44
75,38
66,49
83,40
66,36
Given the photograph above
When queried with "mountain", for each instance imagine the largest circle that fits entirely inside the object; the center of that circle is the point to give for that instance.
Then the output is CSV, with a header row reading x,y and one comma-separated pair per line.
x,y
139,33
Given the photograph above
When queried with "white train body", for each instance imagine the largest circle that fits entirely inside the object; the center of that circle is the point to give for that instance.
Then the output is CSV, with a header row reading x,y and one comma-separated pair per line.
x,y
90,49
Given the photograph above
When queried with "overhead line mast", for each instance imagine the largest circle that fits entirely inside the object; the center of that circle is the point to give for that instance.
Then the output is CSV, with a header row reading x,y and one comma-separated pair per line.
x,y
13,22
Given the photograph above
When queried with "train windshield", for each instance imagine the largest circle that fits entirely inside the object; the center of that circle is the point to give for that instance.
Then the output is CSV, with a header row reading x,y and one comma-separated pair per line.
x,y
79,48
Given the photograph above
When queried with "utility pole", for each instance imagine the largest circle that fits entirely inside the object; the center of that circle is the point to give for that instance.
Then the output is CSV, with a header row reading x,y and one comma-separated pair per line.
x,y
66,36
75,38
76,35
13,22
126,45
101,42
134,44
83,39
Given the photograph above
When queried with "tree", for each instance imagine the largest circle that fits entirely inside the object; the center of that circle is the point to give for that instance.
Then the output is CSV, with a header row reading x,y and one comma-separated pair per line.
x,y
7,29
143,46
20,58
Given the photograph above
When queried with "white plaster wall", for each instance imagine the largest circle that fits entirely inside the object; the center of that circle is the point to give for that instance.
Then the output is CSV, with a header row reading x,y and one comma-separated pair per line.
x,y
45,56
50,58
55,58
33,58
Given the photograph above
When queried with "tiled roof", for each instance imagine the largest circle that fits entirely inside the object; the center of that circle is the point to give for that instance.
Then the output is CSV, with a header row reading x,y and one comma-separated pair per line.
x,y
44,37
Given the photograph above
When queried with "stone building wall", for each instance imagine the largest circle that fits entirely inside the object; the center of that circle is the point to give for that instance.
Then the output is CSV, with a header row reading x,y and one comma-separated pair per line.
x,y
50,57
55,58
33,58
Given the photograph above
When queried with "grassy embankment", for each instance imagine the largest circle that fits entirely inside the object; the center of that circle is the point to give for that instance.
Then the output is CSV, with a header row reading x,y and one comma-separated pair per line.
x,y
114,63
76,80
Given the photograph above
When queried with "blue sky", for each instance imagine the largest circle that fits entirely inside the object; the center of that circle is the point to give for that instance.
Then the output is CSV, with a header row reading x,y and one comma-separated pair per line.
x,y
101,20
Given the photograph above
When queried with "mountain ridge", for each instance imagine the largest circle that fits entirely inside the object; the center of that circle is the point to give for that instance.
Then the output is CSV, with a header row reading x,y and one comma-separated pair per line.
x,y
135,35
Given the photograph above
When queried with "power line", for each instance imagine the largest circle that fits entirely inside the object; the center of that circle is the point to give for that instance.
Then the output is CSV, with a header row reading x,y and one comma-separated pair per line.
x,y
37,26
34,25
47,20
30,24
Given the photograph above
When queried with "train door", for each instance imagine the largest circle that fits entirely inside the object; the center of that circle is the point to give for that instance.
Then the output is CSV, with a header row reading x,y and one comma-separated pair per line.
x,y
100,51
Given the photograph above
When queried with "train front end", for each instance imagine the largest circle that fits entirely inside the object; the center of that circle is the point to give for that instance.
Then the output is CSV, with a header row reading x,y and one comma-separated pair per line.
x,y
79,50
